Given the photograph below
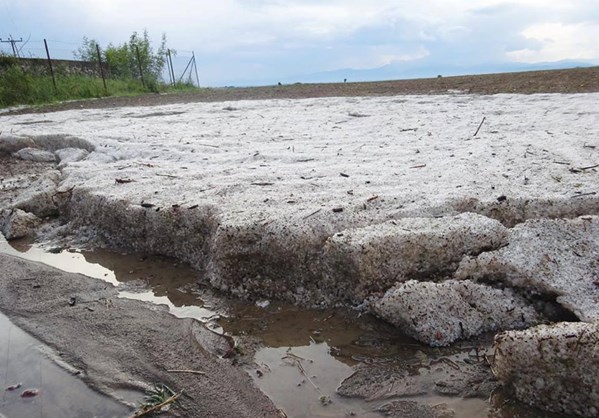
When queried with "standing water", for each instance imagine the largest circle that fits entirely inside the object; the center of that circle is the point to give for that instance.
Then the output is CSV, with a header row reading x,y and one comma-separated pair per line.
x,y
300,356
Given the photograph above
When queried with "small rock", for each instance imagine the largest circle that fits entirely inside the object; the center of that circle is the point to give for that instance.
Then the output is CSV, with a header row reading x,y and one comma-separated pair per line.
x,y
34,154
18,224
262,303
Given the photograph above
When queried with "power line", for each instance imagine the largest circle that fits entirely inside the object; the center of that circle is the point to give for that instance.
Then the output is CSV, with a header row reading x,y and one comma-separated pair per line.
x,y
13,43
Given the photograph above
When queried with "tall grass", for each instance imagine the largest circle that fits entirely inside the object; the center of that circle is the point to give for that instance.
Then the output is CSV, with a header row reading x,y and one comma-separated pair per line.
x,y
18,87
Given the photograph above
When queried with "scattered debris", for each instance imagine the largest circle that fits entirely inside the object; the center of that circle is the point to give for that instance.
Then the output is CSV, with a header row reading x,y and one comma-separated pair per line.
x,y
156,399
14,387
123,181
30,393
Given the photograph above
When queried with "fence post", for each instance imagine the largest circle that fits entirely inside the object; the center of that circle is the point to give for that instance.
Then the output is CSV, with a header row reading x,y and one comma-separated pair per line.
x,y
141,73
168,68
172,70
50,65
195,67
101,68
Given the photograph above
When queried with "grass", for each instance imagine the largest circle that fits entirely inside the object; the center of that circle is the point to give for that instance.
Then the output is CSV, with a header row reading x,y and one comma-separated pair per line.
x,y
20,88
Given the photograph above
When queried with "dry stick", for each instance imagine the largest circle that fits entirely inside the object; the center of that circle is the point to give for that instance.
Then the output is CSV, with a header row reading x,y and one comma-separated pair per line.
x,y
156,407
480,126
589,167
312,214
583,194
186,371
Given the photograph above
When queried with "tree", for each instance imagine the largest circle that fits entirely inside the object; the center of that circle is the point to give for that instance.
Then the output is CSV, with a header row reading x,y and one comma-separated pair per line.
x,y
122,59
87,50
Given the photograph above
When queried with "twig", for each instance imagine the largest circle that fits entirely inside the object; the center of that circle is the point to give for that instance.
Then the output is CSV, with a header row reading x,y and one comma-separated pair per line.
x,y
297,361
186,371
123,181
312,214
583,194
167,175
158,407
588,168
480,126
262,184
419,166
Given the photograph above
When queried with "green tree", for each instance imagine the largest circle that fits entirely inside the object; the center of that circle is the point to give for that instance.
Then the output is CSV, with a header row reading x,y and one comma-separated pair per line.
x,y
87,50
122,60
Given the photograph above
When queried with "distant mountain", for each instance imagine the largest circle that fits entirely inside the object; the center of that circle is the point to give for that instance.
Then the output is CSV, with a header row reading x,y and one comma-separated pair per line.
x,y
408,70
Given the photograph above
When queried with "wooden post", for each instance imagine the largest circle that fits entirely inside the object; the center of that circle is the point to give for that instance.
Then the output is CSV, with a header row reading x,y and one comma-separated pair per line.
x,y
141,73
101,68
50,65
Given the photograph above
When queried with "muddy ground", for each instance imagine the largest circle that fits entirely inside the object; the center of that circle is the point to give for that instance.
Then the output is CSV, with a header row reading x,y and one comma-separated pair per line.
x,y
119,344
578,80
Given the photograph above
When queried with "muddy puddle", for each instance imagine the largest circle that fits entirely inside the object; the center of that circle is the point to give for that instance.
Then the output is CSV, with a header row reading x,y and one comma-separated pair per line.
x,y
33,385
300,356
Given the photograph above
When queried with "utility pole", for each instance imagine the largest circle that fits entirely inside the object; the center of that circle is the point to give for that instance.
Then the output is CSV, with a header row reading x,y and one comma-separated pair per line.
x,y
13,43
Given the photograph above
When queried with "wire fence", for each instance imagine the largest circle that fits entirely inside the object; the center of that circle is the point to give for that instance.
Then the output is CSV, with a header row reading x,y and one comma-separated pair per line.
x,y
46,54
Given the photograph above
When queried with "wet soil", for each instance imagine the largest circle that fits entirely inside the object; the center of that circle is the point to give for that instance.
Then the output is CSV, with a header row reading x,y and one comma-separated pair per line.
x,y
297,357
577,80
118,344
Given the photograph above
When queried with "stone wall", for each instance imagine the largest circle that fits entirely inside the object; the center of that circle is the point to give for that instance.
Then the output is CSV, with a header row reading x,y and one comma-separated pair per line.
x,y
39,66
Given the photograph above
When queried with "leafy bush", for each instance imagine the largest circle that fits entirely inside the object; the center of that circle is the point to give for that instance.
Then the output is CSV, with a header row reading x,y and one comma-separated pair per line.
x,y
122,59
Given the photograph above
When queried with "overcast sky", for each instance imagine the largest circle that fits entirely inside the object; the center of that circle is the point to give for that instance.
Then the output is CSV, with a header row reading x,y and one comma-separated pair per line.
x,y
257,40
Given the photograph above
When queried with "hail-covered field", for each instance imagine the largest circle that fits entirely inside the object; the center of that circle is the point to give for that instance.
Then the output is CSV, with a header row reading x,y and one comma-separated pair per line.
x,y
446,215
320,201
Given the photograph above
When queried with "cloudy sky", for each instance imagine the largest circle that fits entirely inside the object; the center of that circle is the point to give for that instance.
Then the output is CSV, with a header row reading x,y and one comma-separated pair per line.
x,y
261,41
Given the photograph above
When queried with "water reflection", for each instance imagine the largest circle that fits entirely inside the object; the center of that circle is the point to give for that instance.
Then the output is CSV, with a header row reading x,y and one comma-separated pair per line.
x,y
60,393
